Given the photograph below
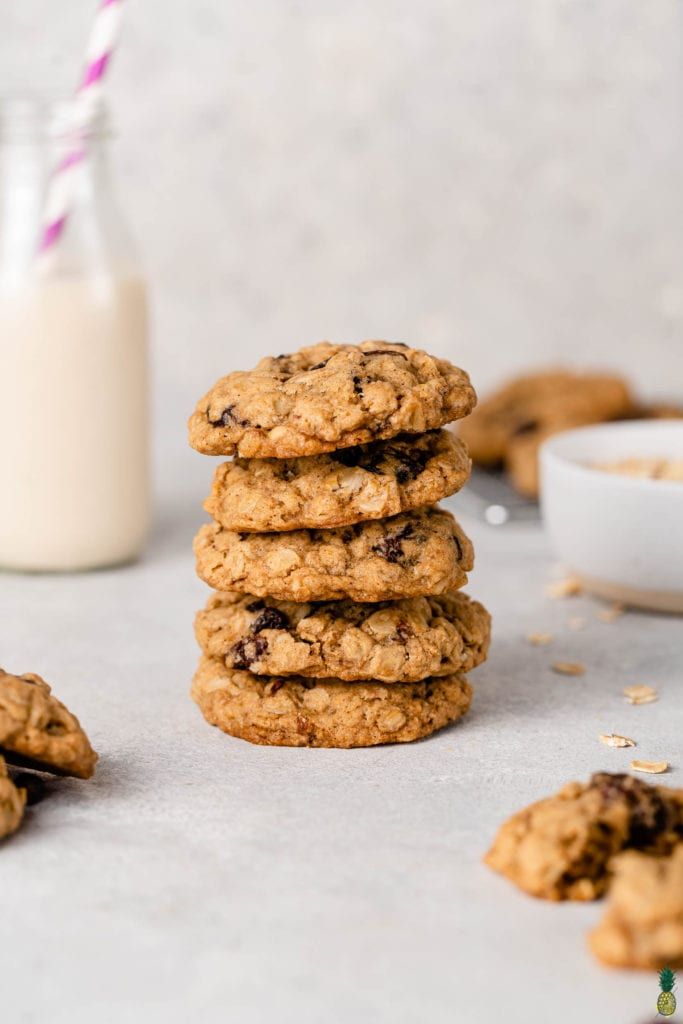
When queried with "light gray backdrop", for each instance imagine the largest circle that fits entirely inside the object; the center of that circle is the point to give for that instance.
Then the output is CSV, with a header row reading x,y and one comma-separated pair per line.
x,y
497,181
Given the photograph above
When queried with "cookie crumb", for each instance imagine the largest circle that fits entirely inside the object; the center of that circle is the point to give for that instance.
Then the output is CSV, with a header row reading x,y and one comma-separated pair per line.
x,y
650,767
539,639
640,694
612,739
569,587
576,622
611,614
568,668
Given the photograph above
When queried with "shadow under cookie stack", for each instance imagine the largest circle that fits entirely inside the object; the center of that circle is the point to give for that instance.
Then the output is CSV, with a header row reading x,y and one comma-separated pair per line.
x,y
337,618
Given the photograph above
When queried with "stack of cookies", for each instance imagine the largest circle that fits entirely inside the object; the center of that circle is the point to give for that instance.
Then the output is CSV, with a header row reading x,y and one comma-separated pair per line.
x,y
337,618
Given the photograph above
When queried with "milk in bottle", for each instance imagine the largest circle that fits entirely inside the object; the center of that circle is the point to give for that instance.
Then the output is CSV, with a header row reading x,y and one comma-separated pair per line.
x,y
74,474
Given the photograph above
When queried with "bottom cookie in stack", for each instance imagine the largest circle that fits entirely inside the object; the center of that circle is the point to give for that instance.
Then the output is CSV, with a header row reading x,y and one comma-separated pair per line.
x,y
298,711
337,674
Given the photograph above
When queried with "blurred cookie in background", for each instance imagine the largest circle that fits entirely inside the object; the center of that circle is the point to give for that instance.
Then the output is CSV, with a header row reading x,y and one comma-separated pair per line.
x,y
643,923
660,411
508,427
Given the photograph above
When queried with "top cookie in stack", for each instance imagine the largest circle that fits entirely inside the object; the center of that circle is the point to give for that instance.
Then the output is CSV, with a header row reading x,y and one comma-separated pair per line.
x,y
339,459
327,397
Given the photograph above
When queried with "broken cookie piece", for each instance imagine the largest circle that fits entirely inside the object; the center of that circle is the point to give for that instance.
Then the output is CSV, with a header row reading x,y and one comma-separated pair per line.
x,y
643,923
36,730
560,848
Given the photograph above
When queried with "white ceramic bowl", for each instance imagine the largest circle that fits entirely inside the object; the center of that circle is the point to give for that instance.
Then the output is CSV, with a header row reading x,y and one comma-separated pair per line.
x,y
623,536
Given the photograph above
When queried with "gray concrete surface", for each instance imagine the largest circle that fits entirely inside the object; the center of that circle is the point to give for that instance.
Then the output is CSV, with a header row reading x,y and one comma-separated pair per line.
x,y
199,878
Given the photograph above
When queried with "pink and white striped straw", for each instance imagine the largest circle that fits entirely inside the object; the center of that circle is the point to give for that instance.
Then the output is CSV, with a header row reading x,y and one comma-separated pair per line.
x,y
103,39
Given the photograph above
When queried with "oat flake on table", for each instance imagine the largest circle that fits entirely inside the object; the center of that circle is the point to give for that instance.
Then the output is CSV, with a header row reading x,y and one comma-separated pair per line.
x,y
640,694
650,767
612,613
576,622
568,668
612,739
540,639
569,587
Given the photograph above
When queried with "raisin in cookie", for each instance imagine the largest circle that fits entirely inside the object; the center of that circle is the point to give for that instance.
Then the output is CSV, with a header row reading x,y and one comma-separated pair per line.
x,y
321,491
12,803
392,642
327,397
36,729
509,426
560,847
643,923
296,712
410,555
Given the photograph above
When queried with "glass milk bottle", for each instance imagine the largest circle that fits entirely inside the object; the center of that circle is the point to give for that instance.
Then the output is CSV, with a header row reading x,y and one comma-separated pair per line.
x,y
74,466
